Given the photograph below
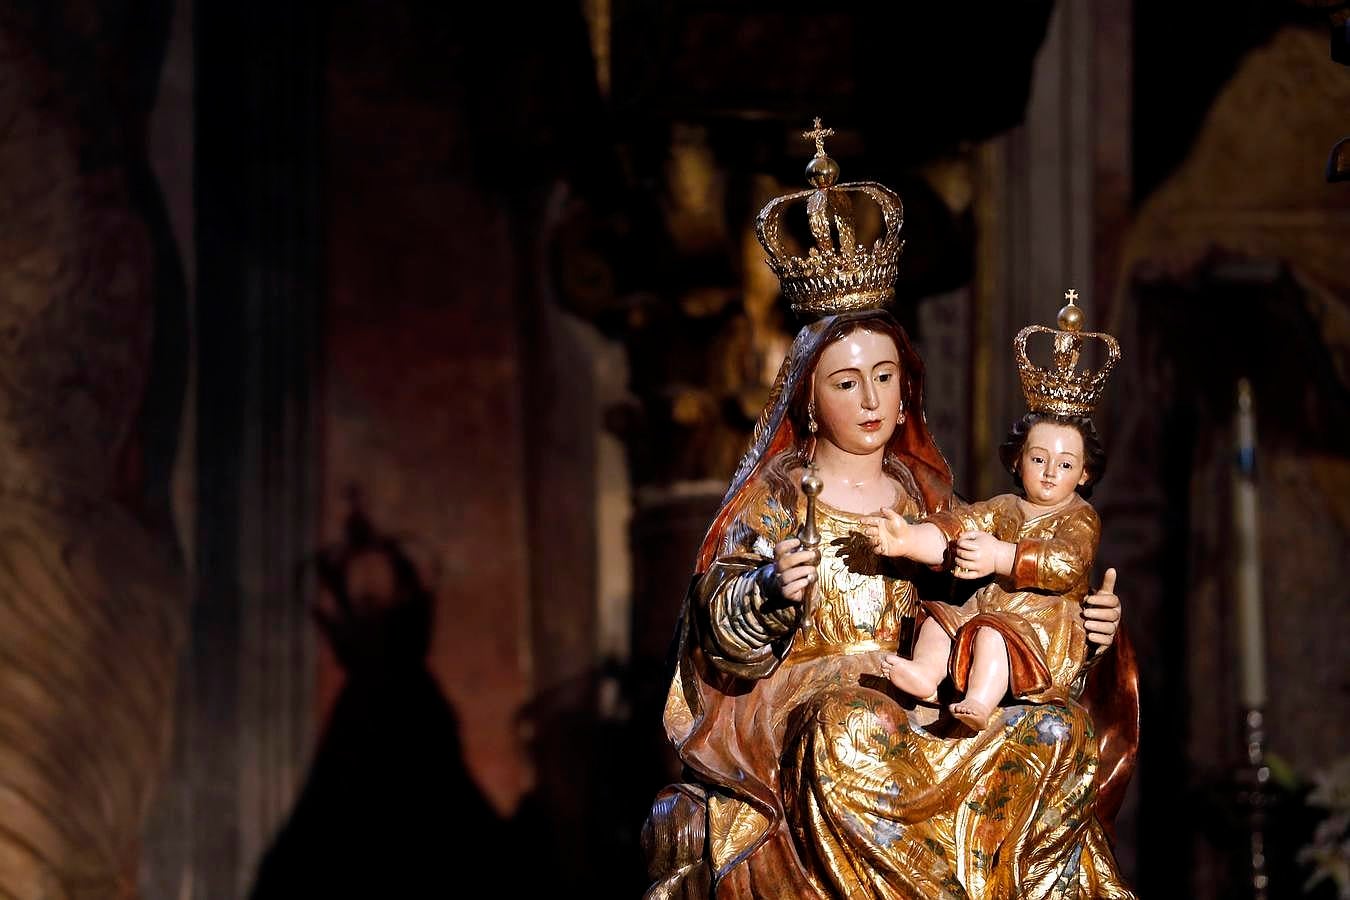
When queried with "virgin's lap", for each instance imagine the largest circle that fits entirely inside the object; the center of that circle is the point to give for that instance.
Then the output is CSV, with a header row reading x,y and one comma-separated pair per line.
x,y
853,706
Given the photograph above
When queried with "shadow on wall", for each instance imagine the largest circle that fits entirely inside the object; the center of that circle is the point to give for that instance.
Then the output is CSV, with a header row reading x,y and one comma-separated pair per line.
x,y
389,808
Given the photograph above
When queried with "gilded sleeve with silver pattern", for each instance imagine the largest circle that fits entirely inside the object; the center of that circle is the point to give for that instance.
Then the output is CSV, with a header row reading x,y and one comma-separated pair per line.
x,y
747,615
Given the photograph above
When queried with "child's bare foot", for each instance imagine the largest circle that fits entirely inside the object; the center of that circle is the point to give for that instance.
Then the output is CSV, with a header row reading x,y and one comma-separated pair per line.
x,y
909,677
972,712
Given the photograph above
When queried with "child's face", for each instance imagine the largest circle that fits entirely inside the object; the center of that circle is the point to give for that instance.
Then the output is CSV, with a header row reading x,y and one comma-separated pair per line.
x,y
1051,464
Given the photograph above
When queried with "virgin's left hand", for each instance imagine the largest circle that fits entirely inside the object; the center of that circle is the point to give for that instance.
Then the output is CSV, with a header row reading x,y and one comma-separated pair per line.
x,y
1102,613
976,554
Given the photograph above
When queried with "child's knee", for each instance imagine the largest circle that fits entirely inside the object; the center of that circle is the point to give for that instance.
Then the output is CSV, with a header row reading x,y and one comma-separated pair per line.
x,y
989,638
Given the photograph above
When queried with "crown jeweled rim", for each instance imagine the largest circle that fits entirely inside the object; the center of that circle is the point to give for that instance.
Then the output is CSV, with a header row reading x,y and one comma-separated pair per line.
x,y
832,279
1063,391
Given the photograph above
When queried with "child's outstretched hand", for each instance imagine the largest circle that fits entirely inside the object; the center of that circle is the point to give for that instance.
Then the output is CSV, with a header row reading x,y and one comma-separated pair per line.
x,y
887,532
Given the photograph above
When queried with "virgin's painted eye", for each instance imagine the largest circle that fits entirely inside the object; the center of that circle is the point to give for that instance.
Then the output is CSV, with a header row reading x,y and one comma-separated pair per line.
x,y
885,376
847,385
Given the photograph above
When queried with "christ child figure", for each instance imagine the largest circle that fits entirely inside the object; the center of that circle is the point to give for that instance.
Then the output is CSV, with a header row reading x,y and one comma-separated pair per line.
x,y
1021,635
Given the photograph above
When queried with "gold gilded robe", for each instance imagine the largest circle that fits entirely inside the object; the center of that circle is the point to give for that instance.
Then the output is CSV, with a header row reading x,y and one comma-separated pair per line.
x,y
1038,607
819,784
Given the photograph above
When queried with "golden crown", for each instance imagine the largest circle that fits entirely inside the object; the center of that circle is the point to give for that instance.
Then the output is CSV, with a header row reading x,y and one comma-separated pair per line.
x,y
1063,389
833,277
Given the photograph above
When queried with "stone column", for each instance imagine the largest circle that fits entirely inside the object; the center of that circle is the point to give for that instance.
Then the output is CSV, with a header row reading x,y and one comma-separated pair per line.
x,y
249,738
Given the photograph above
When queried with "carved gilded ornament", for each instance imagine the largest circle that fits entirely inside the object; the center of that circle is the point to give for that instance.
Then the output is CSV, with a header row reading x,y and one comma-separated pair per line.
x,y
1063,389
837,274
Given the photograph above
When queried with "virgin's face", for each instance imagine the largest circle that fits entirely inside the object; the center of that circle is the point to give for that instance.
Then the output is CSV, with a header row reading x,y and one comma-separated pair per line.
x,y
857,391
1051,464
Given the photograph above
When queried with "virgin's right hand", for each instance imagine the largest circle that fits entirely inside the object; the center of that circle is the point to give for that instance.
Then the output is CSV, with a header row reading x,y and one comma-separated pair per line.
x,y
796,569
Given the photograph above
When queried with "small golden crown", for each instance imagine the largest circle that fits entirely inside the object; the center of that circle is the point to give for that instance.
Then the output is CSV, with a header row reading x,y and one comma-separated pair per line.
x,y
833,278
1063,390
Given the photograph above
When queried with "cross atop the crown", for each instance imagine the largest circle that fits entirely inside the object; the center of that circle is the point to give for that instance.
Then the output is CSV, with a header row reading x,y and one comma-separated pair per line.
x,y
1071,295
818,135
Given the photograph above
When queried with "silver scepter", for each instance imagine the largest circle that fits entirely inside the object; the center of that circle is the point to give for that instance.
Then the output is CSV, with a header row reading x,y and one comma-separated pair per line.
x,y
808,533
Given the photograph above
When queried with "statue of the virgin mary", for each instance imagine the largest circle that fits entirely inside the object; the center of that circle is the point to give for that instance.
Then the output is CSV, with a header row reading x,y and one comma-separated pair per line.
x,y
805,776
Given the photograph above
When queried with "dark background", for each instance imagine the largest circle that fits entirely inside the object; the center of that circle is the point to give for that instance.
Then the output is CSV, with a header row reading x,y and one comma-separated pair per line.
x,y
488,270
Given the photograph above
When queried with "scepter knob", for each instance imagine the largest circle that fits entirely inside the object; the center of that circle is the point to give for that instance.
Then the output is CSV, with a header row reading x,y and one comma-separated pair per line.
x,y
809,535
